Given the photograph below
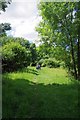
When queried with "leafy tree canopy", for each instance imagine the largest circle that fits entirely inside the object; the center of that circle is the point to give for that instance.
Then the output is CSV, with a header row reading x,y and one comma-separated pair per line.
x,y
4,4
59,29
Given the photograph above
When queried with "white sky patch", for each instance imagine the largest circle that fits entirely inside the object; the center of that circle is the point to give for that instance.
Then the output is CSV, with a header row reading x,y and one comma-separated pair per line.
x,y
23,17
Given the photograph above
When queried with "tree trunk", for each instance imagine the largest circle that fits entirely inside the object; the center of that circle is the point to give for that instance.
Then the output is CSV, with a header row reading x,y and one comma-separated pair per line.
x,y
78,57
72,53
72,48
73,58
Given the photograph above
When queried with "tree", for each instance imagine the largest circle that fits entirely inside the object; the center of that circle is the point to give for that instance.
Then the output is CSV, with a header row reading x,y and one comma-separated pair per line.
x,y
59,24
3,28
4,4
77,22
33,54
14,56
17,53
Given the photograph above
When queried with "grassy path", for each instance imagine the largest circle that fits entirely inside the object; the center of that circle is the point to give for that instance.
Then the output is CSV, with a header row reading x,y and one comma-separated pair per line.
x,y
47,93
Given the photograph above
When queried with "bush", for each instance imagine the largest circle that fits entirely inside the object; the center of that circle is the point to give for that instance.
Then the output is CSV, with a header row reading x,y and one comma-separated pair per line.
x,y
33,63
51,63
14,56
43,64
41,61
62,64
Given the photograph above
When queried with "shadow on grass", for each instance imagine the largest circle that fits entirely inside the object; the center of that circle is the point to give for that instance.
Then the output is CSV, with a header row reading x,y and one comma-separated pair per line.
x,y
25,99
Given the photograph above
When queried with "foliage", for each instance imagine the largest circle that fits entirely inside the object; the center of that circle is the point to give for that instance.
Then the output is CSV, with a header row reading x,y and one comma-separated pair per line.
x,y
17,53
59,30
33,54
51,63
41,61
23,42
4,40
14,56
4,4
3,28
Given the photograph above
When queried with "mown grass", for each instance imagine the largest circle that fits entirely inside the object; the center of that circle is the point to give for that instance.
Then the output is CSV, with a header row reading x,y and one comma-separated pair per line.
x,y
46,93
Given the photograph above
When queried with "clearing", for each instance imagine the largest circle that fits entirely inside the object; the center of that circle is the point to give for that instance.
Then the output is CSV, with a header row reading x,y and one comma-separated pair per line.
x,y
45,93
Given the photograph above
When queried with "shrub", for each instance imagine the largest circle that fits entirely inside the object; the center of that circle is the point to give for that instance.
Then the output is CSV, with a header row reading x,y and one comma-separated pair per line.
x,y
49,63
46,56
33,63
41,61
62,64
43,64
14,56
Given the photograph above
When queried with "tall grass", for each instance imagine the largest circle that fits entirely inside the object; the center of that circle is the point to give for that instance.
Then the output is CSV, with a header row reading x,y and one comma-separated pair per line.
x,y
45,93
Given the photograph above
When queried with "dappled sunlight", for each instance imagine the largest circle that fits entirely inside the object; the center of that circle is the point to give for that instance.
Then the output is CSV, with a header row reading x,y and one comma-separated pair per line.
x,y
45,75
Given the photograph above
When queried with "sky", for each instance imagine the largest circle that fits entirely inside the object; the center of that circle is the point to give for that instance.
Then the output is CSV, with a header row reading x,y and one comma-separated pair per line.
x,y
23,17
